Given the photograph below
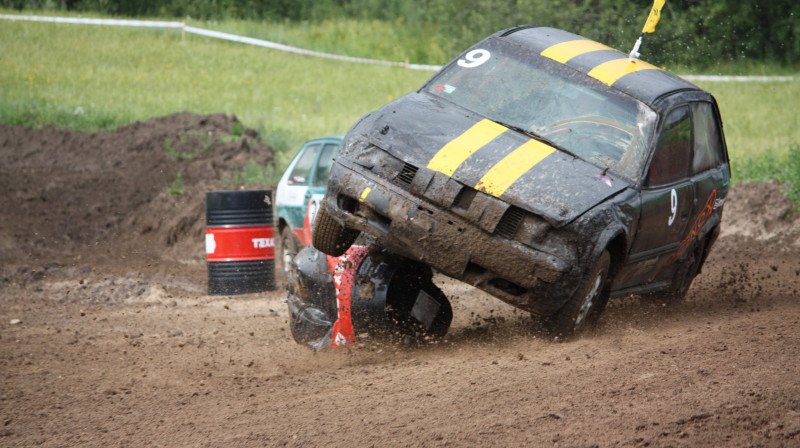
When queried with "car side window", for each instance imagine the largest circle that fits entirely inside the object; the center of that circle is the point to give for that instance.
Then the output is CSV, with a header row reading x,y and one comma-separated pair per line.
x,y
671,159
707,145
302,169
324,164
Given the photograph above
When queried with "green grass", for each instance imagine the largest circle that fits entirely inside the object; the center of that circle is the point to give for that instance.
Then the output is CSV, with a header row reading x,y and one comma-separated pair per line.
x,y
762,129
252,173
90,77
373,39
177,185
758,117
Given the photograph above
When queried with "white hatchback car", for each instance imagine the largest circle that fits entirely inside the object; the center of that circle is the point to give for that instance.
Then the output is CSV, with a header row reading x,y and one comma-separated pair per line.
x,y
299,193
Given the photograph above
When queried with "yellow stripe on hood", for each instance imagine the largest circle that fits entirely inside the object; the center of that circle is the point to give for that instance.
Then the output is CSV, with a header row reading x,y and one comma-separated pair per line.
x,y
497,180
453,154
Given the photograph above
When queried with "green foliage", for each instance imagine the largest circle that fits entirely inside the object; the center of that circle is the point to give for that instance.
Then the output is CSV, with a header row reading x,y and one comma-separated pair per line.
x,y
783,166
177,185
697,33
237,129
172,153
395,40
252,173
39,112
179,156
758,117
700,33
769,165
90,78
205,142
793,174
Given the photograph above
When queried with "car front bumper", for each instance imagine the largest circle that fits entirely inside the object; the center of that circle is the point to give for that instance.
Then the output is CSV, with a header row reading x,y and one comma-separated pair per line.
x,y
402,222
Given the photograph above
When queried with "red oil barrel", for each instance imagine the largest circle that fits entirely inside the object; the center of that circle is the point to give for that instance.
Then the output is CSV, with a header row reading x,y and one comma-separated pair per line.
x,y
240,242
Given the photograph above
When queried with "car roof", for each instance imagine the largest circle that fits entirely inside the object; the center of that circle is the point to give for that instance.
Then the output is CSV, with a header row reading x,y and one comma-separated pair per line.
x,y
636,78
327,137
337,137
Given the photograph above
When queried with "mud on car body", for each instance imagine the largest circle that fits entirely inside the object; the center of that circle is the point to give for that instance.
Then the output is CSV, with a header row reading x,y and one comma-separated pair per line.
x,y
544,168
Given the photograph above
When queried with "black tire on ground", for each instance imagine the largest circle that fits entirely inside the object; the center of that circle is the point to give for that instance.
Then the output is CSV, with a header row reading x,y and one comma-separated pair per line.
x,y
288,246
586,304
684,276
329,236
410,279
442,325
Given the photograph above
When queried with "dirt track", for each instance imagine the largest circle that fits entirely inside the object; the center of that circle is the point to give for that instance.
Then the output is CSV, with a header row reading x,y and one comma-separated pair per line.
x,y
119,345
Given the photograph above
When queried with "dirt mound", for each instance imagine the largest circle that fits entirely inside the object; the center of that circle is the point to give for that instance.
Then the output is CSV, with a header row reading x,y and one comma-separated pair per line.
x,y
70,195
97,350
761,212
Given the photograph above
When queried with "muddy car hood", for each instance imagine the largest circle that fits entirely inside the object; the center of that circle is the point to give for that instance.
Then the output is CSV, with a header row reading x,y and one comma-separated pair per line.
x,y
419,128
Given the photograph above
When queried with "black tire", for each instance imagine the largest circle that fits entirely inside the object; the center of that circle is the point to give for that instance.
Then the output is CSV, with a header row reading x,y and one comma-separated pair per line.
x,y
329,236
585,305
441,325
408,325
684,276
288,246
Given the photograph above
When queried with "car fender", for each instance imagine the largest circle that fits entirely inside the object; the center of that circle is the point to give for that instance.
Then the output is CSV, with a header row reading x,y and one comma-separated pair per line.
x,y
615,238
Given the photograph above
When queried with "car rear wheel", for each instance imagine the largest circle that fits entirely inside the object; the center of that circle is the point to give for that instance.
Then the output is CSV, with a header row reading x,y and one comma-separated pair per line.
x,y
585,305
329,236
684,275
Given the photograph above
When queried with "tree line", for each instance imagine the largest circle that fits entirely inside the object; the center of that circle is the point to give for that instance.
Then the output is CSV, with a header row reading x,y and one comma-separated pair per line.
x,y
698,33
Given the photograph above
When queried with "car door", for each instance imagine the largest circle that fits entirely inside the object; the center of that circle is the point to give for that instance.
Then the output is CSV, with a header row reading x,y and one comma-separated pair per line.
x,y
668,201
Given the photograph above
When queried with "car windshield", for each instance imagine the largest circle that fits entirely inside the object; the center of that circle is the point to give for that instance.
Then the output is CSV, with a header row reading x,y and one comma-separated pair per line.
x,y
512,85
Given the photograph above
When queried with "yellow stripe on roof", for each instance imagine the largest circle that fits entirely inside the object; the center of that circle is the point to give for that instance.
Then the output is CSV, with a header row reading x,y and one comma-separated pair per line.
x,y
609,72
565,51
497,180
453,154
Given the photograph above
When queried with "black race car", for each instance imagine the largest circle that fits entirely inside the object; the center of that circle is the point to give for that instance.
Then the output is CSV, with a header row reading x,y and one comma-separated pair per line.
x,y
544,168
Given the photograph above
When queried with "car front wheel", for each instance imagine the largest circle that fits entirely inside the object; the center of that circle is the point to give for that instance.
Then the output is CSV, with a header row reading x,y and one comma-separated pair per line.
x,y
329,236
585,305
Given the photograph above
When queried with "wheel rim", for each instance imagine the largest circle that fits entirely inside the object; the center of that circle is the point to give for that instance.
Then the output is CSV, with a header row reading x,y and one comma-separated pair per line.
x,y
588,301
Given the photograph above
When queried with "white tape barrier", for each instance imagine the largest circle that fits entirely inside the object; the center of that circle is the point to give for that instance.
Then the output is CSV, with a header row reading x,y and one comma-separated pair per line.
x,y
720,78
218,35
281,47
287,48
145,23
